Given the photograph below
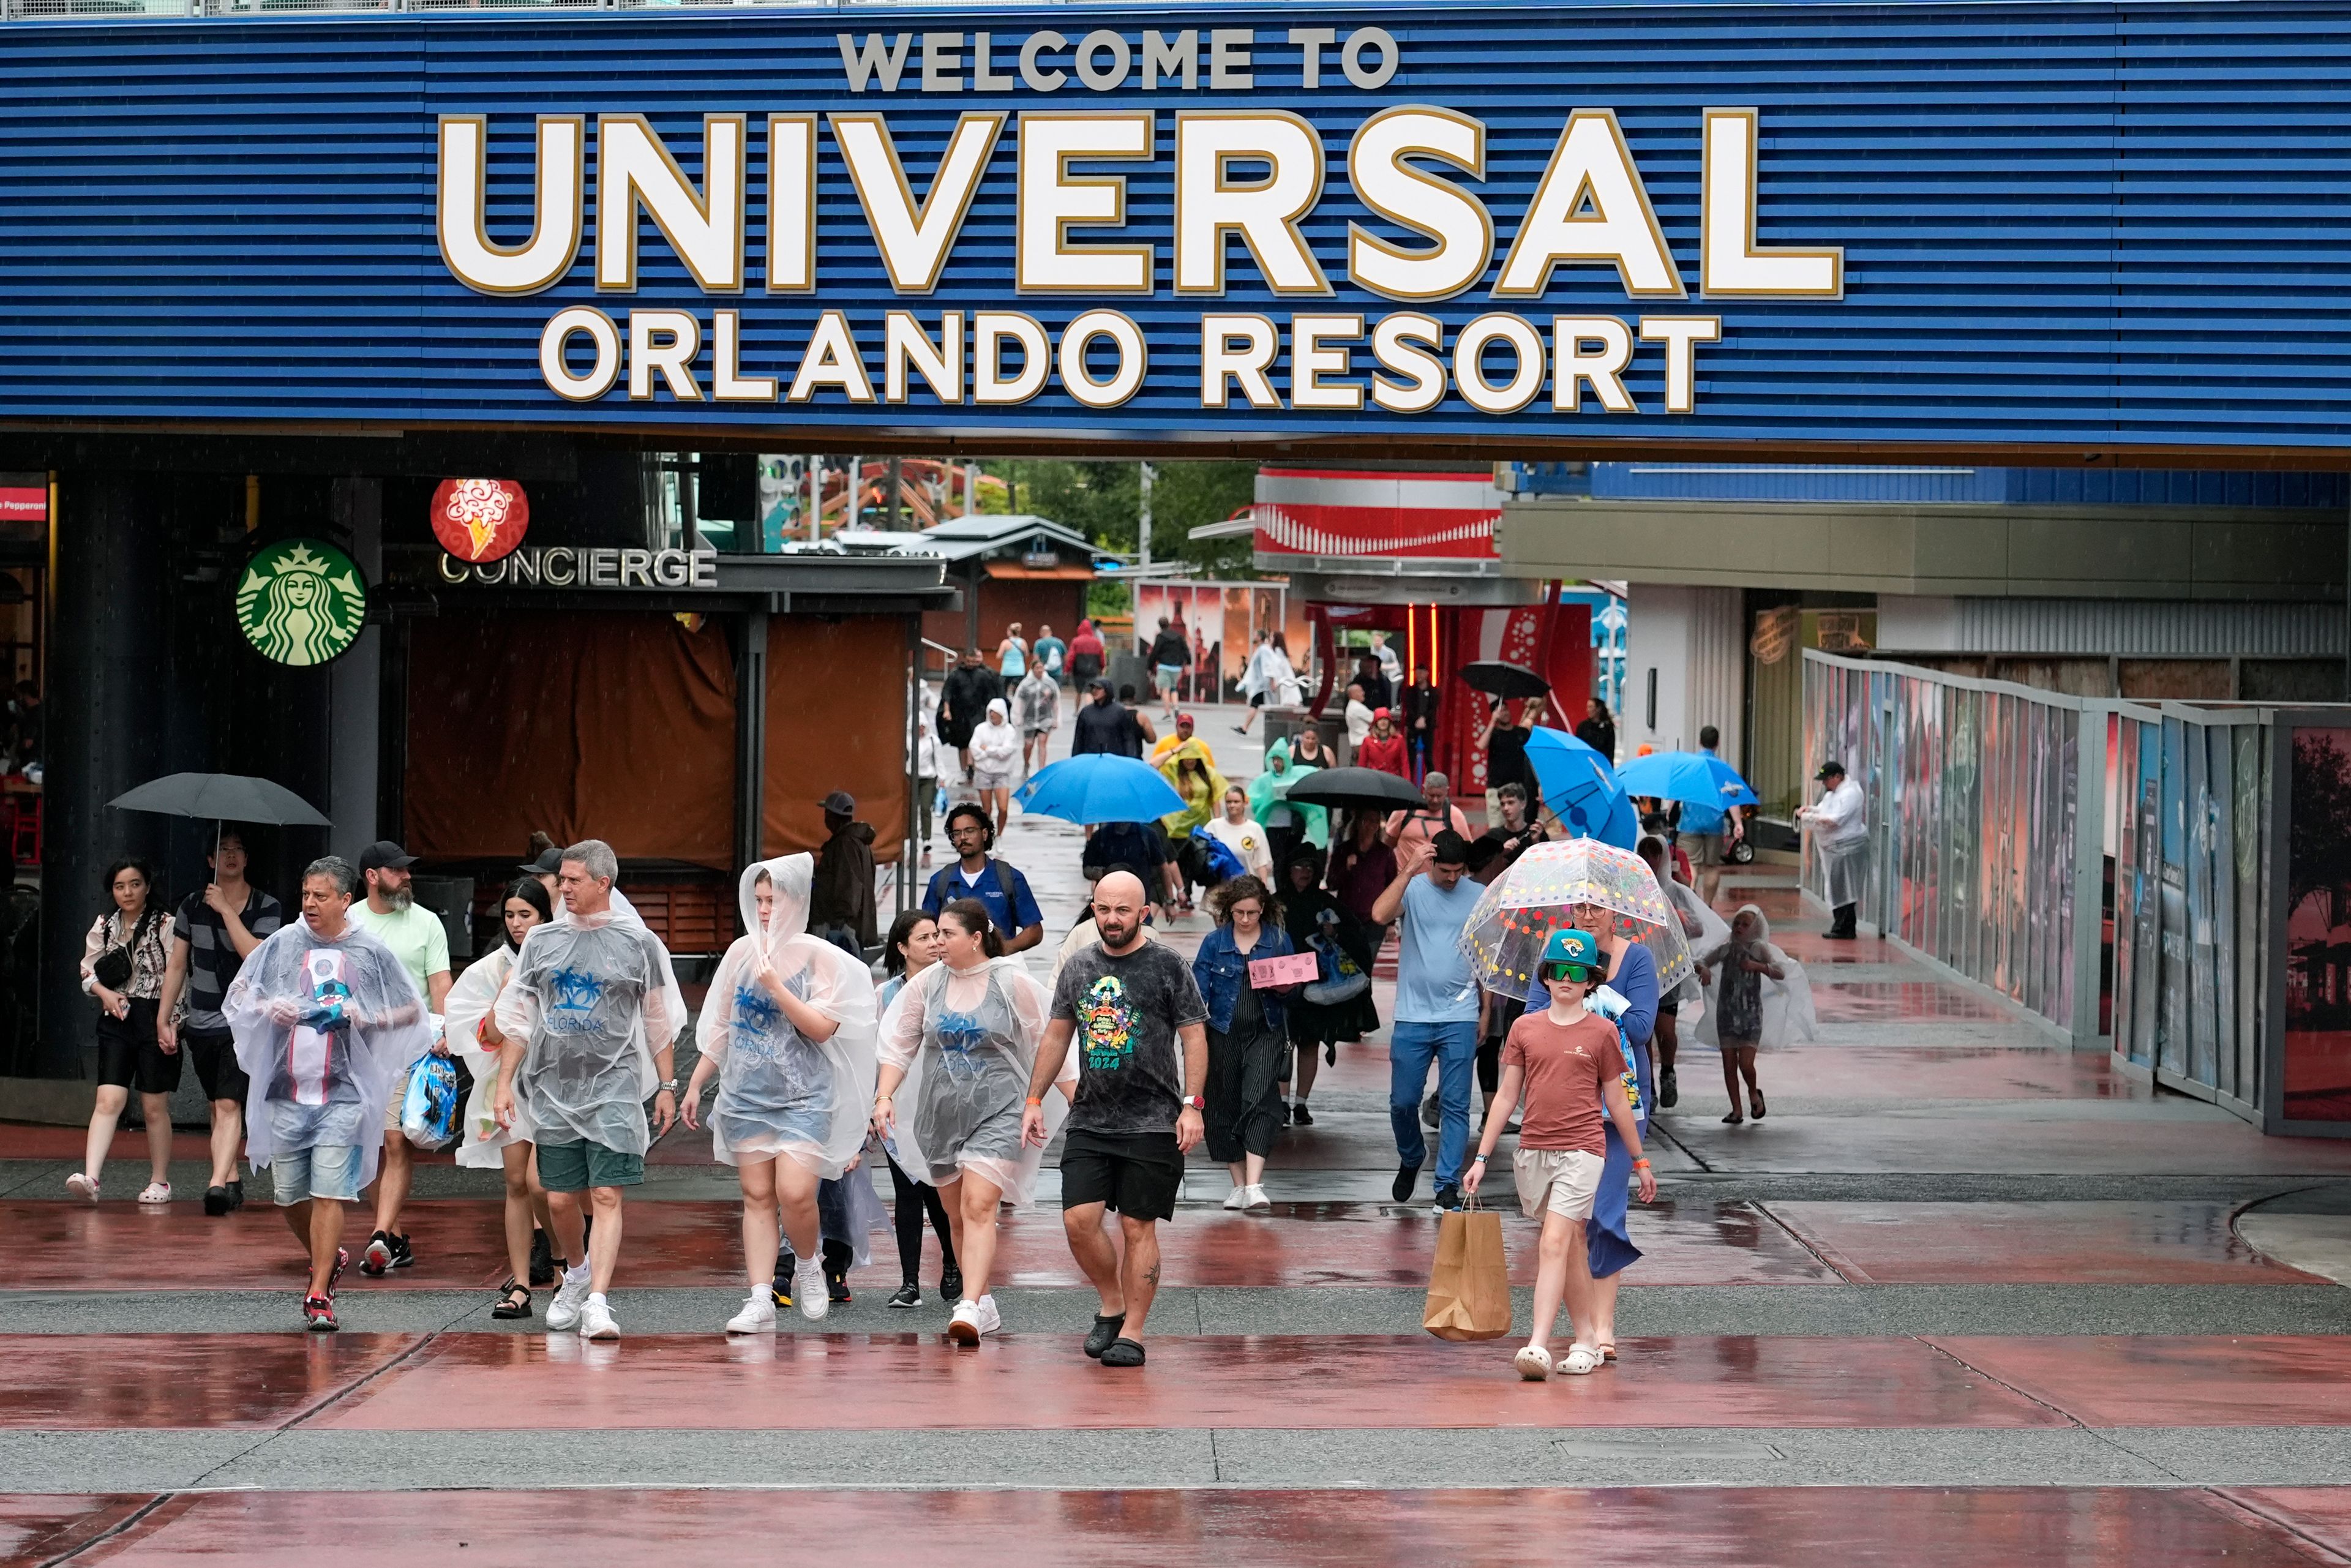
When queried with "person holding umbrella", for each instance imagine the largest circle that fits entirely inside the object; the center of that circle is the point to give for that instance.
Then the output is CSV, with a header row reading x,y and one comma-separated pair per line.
x,y
1318,923
212,935
1632,974
1506,751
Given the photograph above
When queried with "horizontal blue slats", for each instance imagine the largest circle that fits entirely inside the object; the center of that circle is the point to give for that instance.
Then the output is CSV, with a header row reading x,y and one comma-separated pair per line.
x,y
2067,226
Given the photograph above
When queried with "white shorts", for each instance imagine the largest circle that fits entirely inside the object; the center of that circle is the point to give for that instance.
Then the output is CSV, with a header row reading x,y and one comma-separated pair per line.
x,y
982,779
1565,1182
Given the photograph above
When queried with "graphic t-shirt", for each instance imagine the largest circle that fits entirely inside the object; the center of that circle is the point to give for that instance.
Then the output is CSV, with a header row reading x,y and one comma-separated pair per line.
x,y
1128,1010
580,1071
1565,1066
415,935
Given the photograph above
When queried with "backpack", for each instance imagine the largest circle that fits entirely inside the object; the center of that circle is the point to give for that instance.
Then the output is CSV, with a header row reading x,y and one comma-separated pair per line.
x,y
938,888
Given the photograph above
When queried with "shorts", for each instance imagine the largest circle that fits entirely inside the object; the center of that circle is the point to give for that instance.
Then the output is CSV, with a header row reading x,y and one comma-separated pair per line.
x,y
985,778
1137,1176
583,1163
1258,701
1565,1182
1169,676
330,1171
1670,1007
1703,849
214,1051
128,1056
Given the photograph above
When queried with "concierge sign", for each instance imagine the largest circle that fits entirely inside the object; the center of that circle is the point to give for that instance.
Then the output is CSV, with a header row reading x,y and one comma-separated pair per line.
x,y
1958,227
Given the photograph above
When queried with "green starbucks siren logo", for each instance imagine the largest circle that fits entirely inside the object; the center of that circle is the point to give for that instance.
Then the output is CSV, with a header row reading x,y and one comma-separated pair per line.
x,y
301,603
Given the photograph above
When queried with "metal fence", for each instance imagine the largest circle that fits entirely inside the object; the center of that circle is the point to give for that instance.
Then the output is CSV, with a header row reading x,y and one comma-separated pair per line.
x,y
2119,869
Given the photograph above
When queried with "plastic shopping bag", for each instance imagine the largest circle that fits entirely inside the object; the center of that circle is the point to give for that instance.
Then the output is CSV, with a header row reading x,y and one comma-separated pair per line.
x,y
1470,1284
428,1111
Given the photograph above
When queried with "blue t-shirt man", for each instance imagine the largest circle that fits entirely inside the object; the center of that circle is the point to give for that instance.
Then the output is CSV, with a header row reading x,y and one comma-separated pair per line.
x,y
997,884
1433,981
1436,1013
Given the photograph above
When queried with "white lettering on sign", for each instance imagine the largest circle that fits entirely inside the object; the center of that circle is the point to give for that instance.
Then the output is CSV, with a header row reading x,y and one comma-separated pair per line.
x,y
1250,175
562,566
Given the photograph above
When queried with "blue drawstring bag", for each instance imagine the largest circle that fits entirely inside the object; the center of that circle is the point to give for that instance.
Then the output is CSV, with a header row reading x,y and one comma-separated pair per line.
x,y
428,1111
1217,859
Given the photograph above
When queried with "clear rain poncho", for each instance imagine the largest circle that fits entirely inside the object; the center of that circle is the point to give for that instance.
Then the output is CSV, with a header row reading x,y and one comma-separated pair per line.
x,y
968,1042
1710,928
1788,1015
470,1000
593,998
326,1029
781,1092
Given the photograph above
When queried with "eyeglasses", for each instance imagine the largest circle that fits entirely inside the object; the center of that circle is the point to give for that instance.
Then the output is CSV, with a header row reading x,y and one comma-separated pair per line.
x,y
969,829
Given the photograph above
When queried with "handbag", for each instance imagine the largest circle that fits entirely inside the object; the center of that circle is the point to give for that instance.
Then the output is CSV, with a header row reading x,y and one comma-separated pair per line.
x,y
428,1111
1470,1282
1341,980
112,967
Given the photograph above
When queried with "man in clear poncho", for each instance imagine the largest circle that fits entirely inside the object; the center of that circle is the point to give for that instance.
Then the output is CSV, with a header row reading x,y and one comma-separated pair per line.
x,y
787,1030
590,1017
326,1020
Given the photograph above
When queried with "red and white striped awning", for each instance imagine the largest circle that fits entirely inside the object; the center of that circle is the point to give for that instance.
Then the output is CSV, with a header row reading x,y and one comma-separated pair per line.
x,y
1342,514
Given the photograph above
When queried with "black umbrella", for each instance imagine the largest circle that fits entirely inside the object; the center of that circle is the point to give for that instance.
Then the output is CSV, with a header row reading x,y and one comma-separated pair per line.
x,y
1355,786
223,798
1499,677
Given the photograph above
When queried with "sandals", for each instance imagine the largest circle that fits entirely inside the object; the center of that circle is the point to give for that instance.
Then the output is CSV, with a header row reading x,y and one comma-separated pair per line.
x,y
82,1185
1534,1364
1580,1361
156,1192
508,1306
1733,1119
1755,1103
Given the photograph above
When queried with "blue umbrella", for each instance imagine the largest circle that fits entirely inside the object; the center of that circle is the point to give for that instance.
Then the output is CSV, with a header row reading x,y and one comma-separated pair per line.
x,y
1099,787
1581,788
1692,775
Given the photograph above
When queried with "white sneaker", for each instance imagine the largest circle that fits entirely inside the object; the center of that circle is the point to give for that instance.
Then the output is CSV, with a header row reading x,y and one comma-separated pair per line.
x,y
1238,1197
596,1321
963,1328
758,1316
563,1312
808,1289
1257,1198
990,1320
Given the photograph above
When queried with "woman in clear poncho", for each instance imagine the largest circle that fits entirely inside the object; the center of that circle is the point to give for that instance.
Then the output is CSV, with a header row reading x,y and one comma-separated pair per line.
x,y
473,1035
787,1030
957,1047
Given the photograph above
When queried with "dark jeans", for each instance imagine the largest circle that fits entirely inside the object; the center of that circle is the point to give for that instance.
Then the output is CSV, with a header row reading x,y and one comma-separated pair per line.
x,y
914,1201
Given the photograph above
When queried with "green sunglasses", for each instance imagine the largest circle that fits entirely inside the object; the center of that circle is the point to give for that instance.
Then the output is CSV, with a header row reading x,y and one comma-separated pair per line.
x,y
1565,971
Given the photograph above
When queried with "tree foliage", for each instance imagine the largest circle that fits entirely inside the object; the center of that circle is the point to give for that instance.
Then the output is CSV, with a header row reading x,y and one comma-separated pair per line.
x,y
1101,500
2320,857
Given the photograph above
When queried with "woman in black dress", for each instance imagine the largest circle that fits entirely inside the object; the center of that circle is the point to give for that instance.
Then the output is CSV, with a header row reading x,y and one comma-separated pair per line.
x,y
1310,911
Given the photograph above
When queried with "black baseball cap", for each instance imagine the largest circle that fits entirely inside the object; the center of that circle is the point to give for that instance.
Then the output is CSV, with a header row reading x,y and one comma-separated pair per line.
x,y
841,803
1450,848
384,855
1832,768
548,863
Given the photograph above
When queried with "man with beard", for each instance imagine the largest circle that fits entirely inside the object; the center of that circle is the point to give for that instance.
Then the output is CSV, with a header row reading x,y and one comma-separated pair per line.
x,y
1142,1030
416,936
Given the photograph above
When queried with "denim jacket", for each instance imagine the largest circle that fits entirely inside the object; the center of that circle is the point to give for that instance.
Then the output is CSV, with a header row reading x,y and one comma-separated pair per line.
x,y
1222,969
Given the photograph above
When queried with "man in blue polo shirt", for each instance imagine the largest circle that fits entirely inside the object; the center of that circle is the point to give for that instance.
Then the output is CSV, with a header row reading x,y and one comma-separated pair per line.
x,y
996,884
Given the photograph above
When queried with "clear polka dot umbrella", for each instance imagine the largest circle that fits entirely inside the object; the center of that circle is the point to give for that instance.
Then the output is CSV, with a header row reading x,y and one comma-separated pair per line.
x,y
1506,933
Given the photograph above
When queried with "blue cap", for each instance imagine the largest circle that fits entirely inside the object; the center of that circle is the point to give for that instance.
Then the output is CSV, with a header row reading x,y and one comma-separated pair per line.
x,y
1572,944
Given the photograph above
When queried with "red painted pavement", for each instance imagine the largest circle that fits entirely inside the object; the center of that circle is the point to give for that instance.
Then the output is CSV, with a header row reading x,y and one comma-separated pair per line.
x,y
676,1242
1911,1076
2157,1380
1044,1383
1801,1527
2319,1514
41,1529
1899,1001
89,1383
2032,1244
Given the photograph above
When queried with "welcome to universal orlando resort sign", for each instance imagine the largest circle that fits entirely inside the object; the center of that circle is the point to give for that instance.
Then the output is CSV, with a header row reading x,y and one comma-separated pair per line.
x,y
1243,184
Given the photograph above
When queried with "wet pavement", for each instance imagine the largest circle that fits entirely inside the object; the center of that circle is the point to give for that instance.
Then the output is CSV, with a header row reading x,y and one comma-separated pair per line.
x,y
1962,1298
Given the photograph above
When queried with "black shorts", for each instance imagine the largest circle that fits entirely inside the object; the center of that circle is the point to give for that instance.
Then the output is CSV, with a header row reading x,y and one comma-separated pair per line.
x,y
1258,701
128,1056
1667,1009
1137,1176
214,1051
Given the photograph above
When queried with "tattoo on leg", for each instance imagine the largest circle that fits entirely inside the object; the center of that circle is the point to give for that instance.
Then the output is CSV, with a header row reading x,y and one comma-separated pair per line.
x,y
1150,1275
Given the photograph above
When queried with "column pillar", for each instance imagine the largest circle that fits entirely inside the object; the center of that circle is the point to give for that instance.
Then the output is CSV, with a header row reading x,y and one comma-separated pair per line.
x,y
104,729
355,685
751,738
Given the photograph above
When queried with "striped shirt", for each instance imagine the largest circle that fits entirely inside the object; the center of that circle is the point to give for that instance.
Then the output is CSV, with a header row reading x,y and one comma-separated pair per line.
x,y
212,960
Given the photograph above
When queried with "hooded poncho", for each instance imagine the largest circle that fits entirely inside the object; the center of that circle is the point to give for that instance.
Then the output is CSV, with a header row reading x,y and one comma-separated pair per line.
x,y
326,1028
1784,1005
968,1040
781,1092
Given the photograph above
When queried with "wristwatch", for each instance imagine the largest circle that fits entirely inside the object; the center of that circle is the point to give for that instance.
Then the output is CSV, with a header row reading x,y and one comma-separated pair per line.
x,y
668,1083
1196,1102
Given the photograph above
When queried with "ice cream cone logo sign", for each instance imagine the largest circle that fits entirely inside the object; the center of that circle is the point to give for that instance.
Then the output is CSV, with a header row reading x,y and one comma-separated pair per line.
x,y
480,520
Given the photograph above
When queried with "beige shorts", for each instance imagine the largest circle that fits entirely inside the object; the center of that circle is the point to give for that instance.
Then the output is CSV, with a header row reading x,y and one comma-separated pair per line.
x,y
1565,1182
1704,850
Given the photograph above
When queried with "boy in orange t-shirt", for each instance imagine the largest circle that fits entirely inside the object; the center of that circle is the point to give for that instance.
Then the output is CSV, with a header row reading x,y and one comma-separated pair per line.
x,y
1572,1067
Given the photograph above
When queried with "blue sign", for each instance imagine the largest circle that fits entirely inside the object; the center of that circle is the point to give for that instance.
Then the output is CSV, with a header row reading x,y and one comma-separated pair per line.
x,y
2046,230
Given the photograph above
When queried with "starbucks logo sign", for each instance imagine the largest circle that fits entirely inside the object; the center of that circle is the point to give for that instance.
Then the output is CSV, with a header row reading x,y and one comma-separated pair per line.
x,y
301,603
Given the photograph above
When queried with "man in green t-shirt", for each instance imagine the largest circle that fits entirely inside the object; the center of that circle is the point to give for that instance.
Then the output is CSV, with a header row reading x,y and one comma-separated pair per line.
x,y
389,912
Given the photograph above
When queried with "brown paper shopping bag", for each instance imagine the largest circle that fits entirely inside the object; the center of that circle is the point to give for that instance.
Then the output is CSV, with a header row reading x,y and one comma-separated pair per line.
x,y
1470,1284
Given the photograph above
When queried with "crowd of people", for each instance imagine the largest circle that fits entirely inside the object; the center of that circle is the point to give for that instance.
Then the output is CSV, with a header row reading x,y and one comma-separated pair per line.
x,y
957,1066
